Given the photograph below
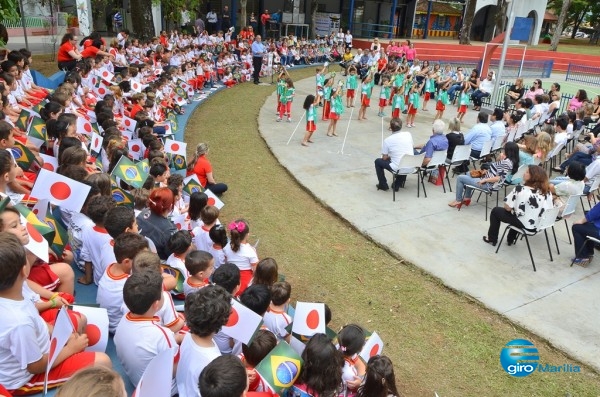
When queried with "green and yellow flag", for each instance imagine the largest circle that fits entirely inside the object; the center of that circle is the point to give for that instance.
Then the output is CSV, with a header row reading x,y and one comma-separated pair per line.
x,y
24,157
130,173
23,120
178,276
280,368
61,237
37,130
41,227
178,162
192,186
121,196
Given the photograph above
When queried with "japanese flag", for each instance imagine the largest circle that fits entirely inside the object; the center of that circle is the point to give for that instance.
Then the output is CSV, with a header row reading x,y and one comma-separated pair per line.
x,y
309,319
242,324
84,127
372,347
135,86
136,148
63,328
181,222
100,91
156,380
96,143
40,209
107,76
180,101
175,147
168,128
60,190
97,327
213,199
37,244
129,123
50,162
127,134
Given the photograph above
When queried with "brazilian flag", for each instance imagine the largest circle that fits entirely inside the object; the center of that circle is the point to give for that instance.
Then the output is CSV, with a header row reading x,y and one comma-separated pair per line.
x,y
280,368
178,162
61,237
129,173
192,187
143,166
23,156
37,129
38,108
121,197
178,276
45,230
23,119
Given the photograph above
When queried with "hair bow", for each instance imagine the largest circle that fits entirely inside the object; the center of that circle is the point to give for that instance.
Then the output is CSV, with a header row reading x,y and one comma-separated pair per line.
x,y
237,226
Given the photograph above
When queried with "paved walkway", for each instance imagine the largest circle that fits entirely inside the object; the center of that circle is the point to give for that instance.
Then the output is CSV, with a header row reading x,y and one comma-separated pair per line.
x,y
558,303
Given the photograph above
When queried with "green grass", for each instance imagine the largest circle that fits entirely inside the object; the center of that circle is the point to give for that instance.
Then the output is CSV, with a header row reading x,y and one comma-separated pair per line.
x,y
439,340
572,46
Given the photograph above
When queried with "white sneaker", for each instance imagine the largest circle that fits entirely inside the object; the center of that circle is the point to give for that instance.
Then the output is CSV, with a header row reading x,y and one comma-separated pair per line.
x,y
278,119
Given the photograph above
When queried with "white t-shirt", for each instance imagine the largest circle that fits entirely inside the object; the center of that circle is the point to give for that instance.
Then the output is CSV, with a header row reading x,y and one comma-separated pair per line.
x,y
218,255
138,341
167,314
24,339
396,146
94,240
193,359
243,258
110,296
223,343
188,287
177,263
277,321
202,240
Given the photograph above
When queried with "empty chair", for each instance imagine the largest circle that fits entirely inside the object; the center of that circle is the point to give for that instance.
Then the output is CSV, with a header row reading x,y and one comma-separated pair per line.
x,y
485,150
567,210
461,154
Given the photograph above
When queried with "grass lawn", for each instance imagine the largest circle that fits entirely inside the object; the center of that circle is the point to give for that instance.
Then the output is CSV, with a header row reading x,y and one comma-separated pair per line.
x,y
573,46
438,339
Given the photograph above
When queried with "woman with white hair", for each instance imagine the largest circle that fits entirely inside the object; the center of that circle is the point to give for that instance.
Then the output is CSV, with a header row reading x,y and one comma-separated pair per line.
x,y
201,167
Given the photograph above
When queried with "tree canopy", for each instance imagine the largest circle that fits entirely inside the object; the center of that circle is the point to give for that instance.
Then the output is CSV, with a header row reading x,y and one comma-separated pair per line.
x,y
579,11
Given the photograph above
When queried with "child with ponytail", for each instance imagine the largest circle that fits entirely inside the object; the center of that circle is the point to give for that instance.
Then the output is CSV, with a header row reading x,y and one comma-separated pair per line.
x,y
239,252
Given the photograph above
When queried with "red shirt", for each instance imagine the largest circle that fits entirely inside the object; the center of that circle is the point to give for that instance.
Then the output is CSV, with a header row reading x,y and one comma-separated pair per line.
x,y
264,18
63,52
90,52
201,168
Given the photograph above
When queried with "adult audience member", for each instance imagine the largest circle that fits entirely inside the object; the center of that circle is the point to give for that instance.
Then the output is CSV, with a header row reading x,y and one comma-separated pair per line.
x,y
153,221
436,142
514,93
589,225
497,126
68,54
392,150
201,167
455,137
348,39
264,19
484,90
258,51
211,20
225,19
535,89
523,206
199,25
479,134
578,100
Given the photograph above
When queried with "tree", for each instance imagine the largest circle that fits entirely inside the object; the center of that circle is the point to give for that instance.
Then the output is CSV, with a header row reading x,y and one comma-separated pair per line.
x,y
243,15
500,17
560,25
313,16
465,32
142,21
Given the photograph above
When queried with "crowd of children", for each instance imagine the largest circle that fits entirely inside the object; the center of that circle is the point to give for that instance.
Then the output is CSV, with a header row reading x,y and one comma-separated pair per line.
x,y
140,262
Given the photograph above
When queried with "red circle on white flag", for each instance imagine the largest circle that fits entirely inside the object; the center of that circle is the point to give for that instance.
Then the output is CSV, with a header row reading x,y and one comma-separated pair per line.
x,y
374,350
53,343
87,127
96,142
105,74
135,148
101,91
60,190
34,233
234,317
93,333
49,167
127,122
312,319
211,201
175,147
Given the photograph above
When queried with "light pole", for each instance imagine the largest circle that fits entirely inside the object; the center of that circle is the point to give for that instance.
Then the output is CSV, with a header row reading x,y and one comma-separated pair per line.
x,y
507,32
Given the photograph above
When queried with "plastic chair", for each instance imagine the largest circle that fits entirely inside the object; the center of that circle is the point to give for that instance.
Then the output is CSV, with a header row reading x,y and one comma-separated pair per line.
x,y
409,164
461,154
438,160
591,193
545,222
497,144
485,150
569,209
550,161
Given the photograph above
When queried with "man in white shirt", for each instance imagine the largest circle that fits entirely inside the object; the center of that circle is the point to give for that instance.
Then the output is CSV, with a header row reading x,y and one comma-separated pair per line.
x,y
211,19
393,148
486,86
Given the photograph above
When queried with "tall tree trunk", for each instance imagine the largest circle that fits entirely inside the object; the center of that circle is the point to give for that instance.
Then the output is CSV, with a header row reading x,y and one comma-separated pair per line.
x,y
465,32
243,17
142,21
500,17
313,16
579,20
559,25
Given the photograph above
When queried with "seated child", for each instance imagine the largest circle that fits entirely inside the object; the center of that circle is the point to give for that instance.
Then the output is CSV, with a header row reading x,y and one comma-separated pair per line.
x,y
200,266
218,237
206,311
224,376
24,336
264,341
180,243
95,238
110,286
379,379
96,381
267,272
228,277
209,216
117,220
276,319
139,337
351,339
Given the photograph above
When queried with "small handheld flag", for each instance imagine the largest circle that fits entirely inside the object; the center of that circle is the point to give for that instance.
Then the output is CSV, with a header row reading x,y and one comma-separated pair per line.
x,y
280,368
372,347
309,319
60,190
242,324
128,172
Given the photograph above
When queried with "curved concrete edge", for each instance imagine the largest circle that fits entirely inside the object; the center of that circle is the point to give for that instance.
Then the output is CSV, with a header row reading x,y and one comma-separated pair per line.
x,y
339,173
